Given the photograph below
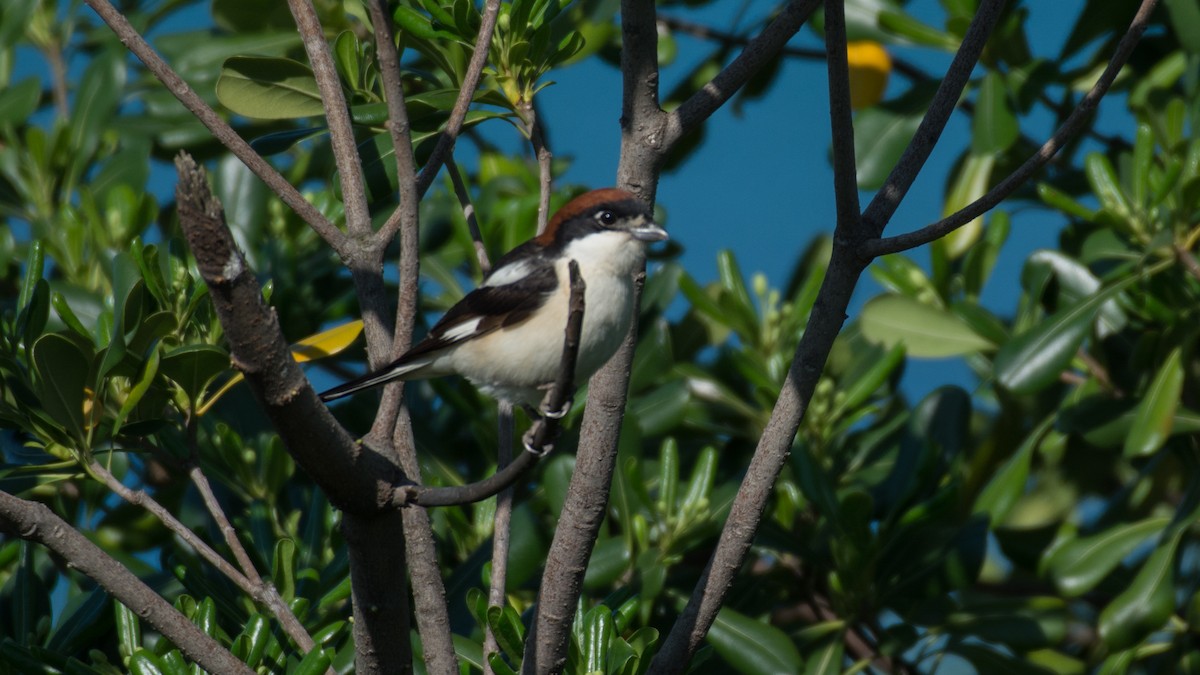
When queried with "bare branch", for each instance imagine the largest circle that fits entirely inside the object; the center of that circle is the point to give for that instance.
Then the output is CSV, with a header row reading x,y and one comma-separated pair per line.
x,y
501,532
35,522
888,198
757,54
1069,129
378,590
355,479
219,128
643,122
266,593
491,9
168,519
537,138
468,209
337,115
845,173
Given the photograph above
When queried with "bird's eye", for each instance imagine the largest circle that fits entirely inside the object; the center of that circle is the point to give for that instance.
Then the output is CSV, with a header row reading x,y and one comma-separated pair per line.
x,y
606,217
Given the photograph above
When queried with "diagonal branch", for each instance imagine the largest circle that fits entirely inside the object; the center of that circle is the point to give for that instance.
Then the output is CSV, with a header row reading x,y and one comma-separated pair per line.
x,y
825,322
888,198
354,478
337,115
219,128
1069,129
36,522
466,93
760,51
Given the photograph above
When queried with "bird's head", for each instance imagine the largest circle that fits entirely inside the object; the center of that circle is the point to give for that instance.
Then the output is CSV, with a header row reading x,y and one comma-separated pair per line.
x,y
607,210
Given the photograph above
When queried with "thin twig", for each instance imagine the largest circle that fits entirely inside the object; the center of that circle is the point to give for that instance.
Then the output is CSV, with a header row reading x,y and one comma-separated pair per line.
x,y
1006,187
219,128
468,209
337,116
144,500
888,198
36,522
537,138
501,532
758,52
466,93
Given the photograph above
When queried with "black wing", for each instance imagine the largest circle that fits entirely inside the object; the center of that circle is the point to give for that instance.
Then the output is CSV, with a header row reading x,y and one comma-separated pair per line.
x,y
491,307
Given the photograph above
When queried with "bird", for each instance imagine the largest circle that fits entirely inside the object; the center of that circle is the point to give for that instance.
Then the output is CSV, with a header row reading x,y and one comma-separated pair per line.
x,y
506,336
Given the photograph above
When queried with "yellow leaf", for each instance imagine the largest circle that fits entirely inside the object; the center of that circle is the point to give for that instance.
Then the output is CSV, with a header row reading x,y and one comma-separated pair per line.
x,y
311,348
870,66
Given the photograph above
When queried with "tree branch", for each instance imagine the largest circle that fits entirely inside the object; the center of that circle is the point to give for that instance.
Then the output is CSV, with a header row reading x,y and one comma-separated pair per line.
x,y
1069,129
888,198
219,128
337,116
355,479
501,532
36,522
468,209
825,322
701,105
466,93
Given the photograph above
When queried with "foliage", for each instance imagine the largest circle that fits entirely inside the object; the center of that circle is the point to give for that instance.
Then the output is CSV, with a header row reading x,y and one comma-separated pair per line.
x,y
1045,521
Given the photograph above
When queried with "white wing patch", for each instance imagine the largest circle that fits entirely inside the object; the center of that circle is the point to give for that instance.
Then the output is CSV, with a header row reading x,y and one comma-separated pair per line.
x,y
461,331
509,274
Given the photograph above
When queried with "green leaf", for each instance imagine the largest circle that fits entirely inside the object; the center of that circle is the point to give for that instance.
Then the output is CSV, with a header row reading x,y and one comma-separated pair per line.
x,y
283,569
96,100
1156,412
970,184
882,132
1008,483
269,88
509,631
1185,20
1146,604
1034,359
192,367
597,634
827,660
129,631
752,646
906,26
62,370
1080,564
19,101
925,331
139,389
994,128
1057,199
315,662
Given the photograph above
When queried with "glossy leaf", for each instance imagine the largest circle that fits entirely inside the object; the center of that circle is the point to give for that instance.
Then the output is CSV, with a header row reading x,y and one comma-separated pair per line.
x,y
1008,482
974,176
1034,359
925,331
752,646
1146,604
1080,564
269,88
1156,413
994,127
62,377
192,367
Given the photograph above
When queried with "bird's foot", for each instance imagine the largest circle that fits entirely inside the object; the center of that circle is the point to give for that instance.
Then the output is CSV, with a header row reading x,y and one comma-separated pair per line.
x,y
527,441
560,413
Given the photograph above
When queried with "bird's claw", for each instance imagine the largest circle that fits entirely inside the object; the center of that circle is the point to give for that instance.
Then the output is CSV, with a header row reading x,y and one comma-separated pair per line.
x,y
560,413
527,441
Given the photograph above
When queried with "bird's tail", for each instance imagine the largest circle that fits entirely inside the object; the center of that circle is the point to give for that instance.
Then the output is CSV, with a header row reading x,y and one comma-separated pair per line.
x,y
395,371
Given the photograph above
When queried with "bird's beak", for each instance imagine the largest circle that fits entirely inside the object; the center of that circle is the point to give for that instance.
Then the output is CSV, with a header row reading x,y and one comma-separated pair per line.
x,y
648,231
